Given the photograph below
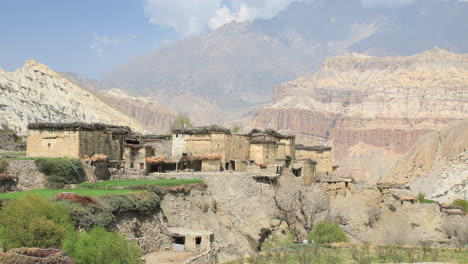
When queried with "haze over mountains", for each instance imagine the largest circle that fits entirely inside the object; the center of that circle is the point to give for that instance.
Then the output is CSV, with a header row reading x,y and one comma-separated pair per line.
x,y
230,72
371,109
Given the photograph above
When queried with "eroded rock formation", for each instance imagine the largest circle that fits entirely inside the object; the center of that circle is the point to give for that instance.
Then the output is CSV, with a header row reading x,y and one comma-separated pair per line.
x,y
372,110
35,93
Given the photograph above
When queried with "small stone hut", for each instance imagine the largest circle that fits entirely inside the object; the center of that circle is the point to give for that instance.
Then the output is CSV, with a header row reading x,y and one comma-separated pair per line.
x,y
76,140
191,240
321,154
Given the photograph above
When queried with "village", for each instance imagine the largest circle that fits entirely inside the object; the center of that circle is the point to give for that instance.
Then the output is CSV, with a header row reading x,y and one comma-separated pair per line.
x,y
273,165
202,149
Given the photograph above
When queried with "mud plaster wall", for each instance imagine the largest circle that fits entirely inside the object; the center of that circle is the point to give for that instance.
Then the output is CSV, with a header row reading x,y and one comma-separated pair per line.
x,y
263,153
178,145
289,146
323,158
43,143
211,165
308,171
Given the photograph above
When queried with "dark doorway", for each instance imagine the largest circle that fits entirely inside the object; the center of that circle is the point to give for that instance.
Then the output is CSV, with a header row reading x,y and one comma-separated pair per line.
x,y
233,165
179,240
198,241
297,172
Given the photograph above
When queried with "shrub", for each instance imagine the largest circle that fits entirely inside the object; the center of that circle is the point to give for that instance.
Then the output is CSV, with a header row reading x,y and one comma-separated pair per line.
x,y
99,246
60,172
3,165
33,221
7,183
102,212
325,232
279,241
461,203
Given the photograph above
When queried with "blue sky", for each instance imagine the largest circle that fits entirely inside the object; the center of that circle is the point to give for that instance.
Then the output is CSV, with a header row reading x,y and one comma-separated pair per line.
x,y
89,37
82,36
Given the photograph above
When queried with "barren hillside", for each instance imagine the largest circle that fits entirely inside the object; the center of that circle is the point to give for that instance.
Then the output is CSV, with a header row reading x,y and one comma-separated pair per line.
x,y
36,93
371,109
437,165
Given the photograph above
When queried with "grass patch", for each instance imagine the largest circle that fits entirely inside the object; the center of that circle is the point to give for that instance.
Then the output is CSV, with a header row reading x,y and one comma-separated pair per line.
x,y
461,203
12,153
422,199
33,158
125,183
49,193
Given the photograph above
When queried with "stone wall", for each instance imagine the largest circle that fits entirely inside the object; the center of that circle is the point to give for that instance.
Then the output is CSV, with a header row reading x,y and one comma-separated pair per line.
x,y
9,141
323,158
208,257
211,165
29,177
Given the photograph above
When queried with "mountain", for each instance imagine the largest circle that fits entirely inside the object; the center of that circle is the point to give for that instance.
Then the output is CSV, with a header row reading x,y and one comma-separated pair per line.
x,y
36,93
371,109
152,115
437,165
229,73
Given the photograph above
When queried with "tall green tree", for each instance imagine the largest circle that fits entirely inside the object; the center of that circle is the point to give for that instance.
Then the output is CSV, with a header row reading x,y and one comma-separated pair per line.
x,y
33,221
182,121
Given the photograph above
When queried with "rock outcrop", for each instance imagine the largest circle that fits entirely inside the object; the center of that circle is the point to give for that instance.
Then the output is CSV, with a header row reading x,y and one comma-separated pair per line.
x,y
437,165
381,104
35,93
154,116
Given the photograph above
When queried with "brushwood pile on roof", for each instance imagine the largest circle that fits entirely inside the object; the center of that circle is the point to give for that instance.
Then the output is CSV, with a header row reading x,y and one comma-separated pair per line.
x,y
313,148
270,132
76,126
202,130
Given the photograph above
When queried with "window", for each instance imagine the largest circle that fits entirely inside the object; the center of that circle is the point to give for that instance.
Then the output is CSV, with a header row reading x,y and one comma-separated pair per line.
x,y
48,145
297,172
198,241
131,165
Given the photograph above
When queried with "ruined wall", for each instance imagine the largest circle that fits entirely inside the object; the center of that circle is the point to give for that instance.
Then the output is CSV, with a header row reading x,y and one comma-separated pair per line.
x,y
308,170
43,143
323,158
162,148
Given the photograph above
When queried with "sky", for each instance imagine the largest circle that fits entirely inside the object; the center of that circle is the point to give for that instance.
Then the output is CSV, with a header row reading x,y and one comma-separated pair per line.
x,y
89,37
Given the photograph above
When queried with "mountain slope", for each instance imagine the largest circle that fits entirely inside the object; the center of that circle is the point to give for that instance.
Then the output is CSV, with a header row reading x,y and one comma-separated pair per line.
x,y
437,165
154,117
35,93
362,105
230,72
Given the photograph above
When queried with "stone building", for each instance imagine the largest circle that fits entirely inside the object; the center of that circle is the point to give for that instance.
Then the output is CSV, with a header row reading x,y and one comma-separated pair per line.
x,y
321,154
76,140
138,148
191,240
305,168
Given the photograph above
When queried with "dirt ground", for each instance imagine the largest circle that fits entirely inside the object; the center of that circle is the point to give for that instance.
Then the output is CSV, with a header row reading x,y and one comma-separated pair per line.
x,y
169,257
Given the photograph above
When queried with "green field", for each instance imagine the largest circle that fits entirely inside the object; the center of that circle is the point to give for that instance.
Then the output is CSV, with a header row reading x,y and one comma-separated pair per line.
x,y
13,153
354,255
32,158
124,183
49,193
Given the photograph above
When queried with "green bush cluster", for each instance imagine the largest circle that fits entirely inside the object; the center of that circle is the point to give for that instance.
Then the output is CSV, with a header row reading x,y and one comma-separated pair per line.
x,y
325,232
461,203
33,221
279,241
103,212
99,246
60,172
3,165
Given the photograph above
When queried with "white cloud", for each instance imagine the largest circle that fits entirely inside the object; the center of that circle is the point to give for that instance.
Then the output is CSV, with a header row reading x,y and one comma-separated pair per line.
x,y
101,41
193,17
386,3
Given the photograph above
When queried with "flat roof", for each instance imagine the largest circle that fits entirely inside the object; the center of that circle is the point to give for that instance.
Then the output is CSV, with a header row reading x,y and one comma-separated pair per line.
x,y
190,232
78,126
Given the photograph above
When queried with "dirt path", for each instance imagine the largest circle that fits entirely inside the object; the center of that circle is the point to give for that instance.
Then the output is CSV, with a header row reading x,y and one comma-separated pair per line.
x,y
169,257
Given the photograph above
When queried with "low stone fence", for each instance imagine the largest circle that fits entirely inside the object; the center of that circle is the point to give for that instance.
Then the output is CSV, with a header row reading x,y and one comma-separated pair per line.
x,y
208,257
29,177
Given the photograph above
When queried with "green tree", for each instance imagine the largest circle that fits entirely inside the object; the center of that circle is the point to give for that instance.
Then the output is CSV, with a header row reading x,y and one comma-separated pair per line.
x,y
181,120
33,221
236,128
100,246
326,232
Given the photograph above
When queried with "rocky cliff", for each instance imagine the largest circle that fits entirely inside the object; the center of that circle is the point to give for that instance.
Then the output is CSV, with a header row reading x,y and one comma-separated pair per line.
x,y
154,116
36,93
437,165
371,109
